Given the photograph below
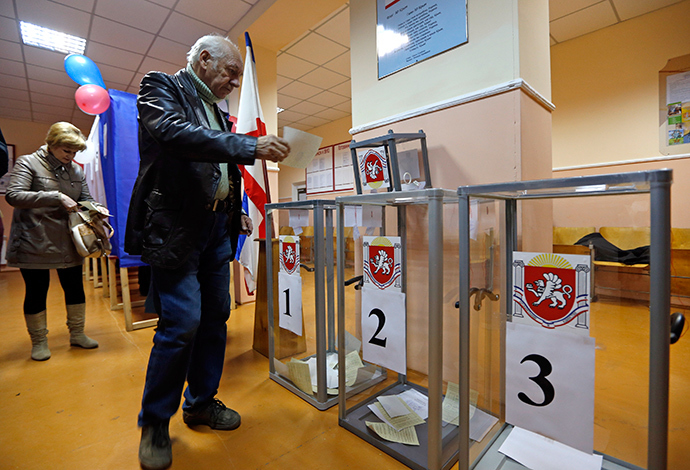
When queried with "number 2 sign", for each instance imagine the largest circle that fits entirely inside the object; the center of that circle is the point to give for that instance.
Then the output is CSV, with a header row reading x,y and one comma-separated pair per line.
x,y
550,384
383,328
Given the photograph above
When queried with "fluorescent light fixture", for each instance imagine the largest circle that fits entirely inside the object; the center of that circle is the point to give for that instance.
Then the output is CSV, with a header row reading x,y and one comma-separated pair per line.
x,y
39,36
280,110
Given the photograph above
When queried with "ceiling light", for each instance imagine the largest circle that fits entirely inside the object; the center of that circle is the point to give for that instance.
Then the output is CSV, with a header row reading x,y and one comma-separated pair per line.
x,y
39,36
280,110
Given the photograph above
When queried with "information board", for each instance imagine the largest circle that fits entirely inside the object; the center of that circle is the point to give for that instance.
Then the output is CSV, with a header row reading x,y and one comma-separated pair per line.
x,y
330,170
409,31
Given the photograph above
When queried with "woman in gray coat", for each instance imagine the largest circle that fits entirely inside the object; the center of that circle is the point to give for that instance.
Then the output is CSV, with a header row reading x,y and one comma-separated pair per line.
x,y
43,188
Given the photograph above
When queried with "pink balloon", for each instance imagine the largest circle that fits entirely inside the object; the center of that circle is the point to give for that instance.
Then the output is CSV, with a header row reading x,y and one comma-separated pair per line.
x,y
92,99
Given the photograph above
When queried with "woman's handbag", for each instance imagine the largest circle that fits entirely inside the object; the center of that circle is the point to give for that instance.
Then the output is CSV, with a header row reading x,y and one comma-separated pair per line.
x,y
90,231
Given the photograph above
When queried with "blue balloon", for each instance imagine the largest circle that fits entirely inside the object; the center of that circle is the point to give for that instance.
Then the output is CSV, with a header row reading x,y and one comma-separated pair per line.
x,y
83,70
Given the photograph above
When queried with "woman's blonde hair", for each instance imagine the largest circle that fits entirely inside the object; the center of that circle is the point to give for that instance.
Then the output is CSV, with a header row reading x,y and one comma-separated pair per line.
x,y
64,134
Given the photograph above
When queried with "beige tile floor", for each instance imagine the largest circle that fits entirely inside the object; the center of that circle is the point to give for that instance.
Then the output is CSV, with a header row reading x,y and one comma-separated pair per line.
x,y
78,410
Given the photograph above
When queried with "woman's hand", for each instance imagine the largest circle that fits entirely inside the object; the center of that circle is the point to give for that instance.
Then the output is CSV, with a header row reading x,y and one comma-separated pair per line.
x,y
102,210
68,203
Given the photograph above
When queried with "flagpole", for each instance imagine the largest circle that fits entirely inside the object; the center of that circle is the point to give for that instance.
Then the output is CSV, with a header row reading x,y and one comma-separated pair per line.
x,y
248,43
268,188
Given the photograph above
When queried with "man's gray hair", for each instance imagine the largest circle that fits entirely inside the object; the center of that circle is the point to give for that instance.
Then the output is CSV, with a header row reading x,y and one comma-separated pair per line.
x,y
215,44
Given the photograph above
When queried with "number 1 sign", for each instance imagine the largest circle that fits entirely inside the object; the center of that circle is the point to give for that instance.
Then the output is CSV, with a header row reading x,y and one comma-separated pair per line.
x,y
550,384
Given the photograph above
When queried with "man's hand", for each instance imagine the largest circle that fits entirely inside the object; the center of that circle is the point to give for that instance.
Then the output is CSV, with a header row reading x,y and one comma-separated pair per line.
x,y
246,225
270,147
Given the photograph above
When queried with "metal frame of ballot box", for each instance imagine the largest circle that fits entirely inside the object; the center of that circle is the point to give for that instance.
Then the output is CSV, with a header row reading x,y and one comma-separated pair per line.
x,y
657,184
390,141
324,301
438,444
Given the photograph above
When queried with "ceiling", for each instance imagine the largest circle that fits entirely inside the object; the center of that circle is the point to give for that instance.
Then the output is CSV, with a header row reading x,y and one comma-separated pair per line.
x,y
127,38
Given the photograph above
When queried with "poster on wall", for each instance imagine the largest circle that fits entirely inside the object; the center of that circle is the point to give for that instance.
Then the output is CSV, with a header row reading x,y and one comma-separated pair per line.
x,y
330,170
344,176
409,31
678,108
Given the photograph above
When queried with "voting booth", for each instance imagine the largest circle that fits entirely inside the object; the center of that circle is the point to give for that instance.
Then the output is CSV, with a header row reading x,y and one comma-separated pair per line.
x,y
119,153
302,301
397,307
562,381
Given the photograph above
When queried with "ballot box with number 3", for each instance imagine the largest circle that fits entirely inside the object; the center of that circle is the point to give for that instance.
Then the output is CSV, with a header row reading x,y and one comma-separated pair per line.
x,y
560,378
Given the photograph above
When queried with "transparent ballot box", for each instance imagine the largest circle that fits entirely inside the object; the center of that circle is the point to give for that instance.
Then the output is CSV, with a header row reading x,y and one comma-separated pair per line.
x,y
396,308
392,162
570,365
301,306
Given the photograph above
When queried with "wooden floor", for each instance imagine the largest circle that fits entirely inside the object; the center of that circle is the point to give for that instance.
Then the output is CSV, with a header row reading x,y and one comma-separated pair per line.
x,y
78,410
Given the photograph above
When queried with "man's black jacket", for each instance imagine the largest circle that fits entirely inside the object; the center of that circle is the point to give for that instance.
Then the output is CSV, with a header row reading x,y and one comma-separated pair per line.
x,y
178,171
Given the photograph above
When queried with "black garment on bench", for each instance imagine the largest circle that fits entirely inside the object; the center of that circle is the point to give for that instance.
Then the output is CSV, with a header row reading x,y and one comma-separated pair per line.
x,y
604,250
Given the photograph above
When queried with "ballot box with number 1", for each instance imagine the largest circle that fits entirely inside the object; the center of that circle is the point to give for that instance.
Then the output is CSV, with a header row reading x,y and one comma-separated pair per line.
x,y
305,300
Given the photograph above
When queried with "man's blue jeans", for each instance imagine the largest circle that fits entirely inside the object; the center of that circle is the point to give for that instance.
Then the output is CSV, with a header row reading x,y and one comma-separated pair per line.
x,y
193,302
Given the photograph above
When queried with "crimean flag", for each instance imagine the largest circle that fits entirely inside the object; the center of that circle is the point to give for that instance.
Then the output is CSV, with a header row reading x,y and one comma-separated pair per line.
x,y
250,121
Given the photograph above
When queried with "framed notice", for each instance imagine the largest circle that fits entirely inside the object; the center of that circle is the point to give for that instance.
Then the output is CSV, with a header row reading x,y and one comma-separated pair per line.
x,y
330,170
5,180
678,108
409,31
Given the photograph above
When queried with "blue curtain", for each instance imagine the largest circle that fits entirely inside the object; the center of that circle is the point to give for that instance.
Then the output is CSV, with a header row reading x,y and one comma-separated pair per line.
x,y
120,163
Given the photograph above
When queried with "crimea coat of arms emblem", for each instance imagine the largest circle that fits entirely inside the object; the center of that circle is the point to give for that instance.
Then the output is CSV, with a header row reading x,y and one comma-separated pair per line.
x,y
382,262
551,290
289,254
373,168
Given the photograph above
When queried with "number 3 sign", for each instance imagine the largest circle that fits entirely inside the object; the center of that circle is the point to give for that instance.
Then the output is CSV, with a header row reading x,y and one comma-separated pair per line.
x,y
550,384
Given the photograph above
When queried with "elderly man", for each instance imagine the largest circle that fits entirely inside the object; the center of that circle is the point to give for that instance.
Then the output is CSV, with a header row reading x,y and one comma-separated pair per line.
x,y
184,219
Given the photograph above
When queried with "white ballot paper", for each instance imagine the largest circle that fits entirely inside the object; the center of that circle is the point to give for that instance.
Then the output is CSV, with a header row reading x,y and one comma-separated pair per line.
x,y
480,424
353,363
404,436
399,422
393,405
417,401
303,147
331,371
351,343
451,404
541,453
299,374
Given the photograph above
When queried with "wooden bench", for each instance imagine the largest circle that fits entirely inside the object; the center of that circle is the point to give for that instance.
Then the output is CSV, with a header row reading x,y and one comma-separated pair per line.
x,y
628,281
680,267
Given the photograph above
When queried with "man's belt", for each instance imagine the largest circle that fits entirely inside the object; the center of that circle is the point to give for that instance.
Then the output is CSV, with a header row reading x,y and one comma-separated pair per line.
x,y
221,205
